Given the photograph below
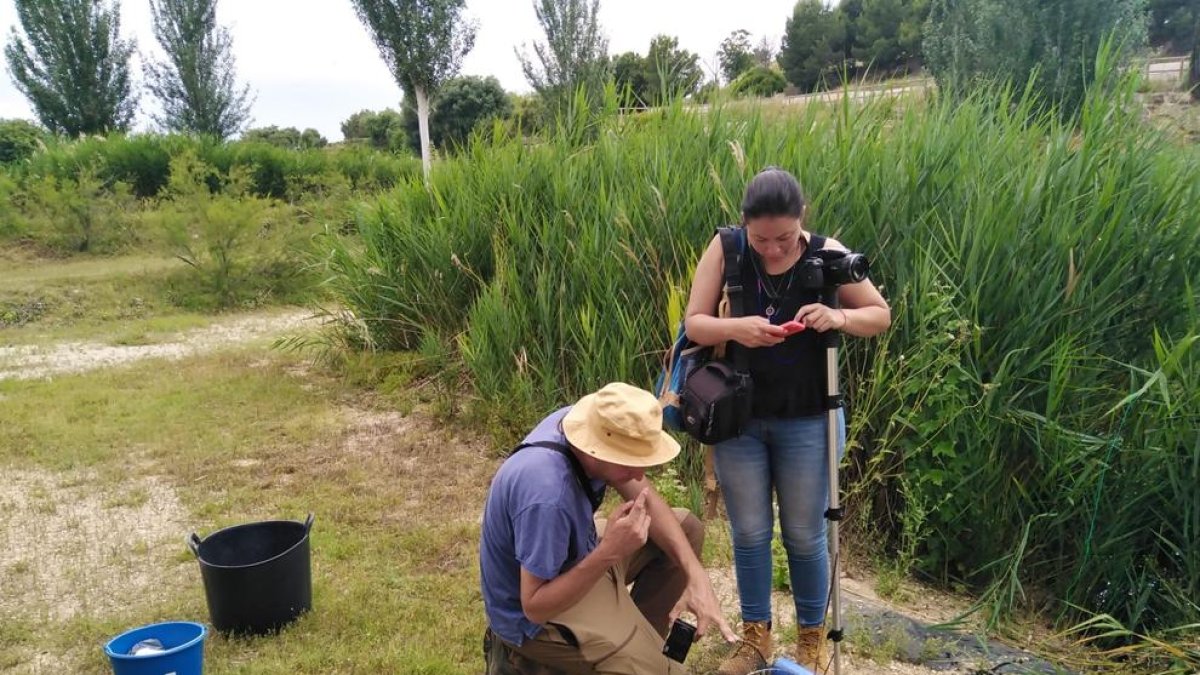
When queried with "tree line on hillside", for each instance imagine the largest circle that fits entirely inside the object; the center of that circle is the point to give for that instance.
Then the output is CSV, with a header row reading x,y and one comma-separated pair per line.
x,y
70,60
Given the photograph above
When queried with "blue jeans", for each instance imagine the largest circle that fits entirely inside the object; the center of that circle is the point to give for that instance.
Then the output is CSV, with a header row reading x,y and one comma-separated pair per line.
x,y
789,455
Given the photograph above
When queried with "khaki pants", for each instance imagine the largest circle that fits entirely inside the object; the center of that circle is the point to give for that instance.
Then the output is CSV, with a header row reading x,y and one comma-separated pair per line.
x,y
613,630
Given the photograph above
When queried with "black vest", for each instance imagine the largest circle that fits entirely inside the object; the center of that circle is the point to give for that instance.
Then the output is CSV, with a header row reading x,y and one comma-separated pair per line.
x,y
789,378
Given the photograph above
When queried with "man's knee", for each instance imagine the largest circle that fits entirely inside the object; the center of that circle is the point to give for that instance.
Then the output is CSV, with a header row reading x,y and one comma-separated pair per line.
x,y
693,529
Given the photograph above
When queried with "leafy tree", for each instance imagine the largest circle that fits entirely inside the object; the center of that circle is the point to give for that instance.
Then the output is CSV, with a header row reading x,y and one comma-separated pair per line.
x,y
765,52
811,45
311,138
529,114
18,140
461,105
1173,25
197,84
847,13
735,56
574,55
1055,42
630,72
759,81
887,33
912,33
72,65
423,43
670,71
289,138
382,130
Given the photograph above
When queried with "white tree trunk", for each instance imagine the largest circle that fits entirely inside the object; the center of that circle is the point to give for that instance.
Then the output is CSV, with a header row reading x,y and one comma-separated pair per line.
x,y
1194,76
423,125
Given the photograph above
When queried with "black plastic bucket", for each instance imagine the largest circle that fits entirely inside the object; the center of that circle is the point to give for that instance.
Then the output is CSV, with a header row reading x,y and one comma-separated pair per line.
x,y
258,576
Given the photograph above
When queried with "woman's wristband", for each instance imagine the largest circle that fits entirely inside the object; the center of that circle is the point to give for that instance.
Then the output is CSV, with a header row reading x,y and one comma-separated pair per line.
x,y
845,319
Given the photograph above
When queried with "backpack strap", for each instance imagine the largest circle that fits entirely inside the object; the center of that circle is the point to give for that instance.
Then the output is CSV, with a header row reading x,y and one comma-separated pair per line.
x,y
733,244
595,498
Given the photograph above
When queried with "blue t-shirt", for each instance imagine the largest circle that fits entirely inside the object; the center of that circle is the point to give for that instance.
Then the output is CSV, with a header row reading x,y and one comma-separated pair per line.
x,y
536,516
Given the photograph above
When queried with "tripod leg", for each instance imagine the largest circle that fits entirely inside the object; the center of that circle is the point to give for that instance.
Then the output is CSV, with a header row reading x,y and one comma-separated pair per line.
x,y
834,514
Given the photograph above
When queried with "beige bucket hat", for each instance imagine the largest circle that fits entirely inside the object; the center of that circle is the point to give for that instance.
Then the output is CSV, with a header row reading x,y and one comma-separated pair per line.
x,y
620,424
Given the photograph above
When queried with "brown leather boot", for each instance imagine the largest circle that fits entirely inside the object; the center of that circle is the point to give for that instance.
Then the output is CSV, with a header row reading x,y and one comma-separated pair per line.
x,y
752,653
810,648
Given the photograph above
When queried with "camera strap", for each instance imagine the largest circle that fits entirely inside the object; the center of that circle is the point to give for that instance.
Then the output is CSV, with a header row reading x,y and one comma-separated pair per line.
x,y
815,244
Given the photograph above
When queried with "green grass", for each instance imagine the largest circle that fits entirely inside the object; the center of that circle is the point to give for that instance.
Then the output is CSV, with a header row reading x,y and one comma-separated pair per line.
x,y
131,300
242,436
242,439
82,269
61,299
97,419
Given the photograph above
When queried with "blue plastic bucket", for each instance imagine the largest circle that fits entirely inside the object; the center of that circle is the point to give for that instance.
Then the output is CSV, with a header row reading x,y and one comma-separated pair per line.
x,y
183,650
786,666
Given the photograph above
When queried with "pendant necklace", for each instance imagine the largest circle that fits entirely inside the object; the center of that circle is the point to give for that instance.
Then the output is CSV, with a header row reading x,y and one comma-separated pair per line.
x,y
773,292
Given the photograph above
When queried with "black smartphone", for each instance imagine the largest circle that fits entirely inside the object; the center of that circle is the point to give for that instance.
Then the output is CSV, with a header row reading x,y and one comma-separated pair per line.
x,y
679,641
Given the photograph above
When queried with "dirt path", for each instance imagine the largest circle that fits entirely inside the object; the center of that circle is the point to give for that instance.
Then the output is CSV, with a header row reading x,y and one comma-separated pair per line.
x,y
891,637
38,361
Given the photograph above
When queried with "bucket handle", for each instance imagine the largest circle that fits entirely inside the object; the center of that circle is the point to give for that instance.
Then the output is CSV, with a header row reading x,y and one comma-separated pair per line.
x,y
193,540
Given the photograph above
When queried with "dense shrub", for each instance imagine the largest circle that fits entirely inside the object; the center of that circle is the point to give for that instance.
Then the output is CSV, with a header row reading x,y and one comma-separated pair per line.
x,y
18,140
759,81
240,248
143,162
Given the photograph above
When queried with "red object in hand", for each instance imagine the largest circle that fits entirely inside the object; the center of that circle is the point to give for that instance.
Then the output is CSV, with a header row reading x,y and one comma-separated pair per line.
x,y
792,327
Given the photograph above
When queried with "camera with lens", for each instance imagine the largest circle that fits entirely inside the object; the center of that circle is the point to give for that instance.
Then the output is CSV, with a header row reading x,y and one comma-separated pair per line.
x,y
828,269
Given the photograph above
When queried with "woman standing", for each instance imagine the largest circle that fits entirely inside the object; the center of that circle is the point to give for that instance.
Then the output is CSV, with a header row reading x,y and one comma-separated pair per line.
x,y
783,447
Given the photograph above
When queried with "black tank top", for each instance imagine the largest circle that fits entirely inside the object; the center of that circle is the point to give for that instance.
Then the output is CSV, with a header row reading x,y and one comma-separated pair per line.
x,y
789,378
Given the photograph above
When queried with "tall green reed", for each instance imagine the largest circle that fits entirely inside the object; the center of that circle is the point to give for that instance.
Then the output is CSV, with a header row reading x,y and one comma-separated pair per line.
x,y
1031,262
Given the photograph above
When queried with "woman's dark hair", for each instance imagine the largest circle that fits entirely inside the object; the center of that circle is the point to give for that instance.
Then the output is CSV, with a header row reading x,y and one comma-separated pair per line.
x,y
773,192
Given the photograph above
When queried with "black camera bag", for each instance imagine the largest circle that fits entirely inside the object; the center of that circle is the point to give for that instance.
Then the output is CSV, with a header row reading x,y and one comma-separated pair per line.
x,y
716,402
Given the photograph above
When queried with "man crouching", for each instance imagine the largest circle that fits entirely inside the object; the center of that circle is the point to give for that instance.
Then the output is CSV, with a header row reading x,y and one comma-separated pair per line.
x,y
554,588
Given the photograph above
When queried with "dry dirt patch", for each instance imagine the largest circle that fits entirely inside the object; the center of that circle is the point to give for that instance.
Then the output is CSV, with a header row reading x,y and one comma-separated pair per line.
x,y
436,469
72,545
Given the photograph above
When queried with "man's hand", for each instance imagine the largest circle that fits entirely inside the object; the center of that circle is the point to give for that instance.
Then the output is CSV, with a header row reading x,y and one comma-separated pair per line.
x,y
700,599
628,528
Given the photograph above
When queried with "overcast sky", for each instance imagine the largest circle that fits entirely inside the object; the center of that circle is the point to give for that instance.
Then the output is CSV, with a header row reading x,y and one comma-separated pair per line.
x,y
312,64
